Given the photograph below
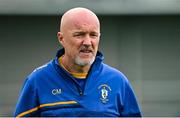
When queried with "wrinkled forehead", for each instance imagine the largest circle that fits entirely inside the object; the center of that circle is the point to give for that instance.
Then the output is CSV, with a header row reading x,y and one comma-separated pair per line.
x,y
79,19
84,21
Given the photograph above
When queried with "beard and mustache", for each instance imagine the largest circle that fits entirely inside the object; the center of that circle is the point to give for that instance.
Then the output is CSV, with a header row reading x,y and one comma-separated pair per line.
x,y
85,49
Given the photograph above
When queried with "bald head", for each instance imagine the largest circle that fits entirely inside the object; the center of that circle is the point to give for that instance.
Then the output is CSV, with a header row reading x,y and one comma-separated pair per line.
x,y
79,35
78,16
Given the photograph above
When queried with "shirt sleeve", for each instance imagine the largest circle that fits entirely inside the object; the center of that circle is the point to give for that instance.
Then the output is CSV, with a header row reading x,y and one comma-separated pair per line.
x,y
27,104
130,105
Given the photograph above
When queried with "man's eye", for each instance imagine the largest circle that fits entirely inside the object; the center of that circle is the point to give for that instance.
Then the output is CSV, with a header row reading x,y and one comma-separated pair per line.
x,y
78,34
94,35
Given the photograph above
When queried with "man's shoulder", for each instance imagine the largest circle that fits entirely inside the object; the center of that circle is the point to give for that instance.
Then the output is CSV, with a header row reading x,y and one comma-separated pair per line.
x,y
40,75
41,70
112,71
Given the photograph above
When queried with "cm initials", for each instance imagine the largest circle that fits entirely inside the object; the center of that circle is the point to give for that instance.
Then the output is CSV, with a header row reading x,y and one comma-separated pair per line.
x,y
56,91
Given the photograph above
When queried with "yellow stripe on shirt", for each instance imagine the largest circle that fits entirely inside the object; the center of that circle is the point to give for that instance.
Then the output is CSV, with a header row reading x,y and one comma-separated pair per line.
x,y
27,112
45,105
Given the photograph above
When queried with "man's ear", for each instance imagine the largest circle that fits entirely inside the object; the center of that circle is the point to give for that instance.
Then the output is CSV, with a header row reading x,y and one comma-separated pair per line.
x,y
60,38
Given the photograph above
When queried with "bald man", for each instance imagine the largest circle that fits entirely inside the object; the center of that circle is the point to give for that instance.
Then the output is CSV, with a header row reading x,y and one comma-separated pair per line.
x,y
77,82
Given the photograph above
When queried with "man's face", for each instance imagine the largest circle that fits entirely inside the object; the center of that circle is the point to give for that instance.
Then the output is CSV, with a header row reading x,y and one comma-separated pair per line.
x,y
81,40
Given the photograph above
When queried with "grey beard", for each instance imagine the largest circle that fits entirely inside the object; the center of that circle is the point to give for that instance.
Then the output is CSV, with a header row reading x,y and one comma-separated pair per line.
x,y
80,62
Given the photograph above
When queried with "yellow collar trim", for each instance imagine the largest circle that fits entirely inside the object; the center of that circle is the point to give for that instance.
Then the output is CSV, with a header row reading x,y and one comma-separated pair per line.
x,y
76,75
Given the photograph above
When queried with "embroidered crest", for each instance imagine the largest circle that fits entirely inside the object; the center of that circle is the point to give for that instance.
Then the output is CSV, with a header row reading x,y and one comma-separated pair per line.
x,y
104,91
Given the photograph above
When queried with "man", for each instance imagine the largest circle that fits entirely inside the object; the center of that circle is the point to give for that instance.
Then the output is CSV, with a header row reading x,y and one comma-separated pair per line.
x,y
77,82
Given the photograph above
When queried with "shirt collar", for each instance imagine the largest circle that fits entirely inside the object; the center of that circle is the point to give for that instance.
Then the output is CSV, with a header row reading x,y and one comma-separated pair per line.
x,y
99,56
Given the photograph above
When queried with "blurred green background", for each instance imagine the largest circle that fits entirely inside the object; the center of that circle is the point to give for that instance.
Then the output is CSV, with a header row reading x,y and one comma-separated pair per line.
x,y
141,38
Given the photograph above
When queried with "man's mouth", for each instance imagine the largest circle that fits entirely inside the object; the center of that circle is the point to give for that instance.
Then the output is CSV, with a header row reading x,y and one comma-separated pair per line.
x,y
86,51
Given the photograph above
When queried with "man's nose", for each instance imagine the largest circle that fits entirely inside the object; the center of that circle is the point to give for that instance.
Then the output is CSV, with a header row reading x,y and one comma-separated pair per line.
x,y
87,40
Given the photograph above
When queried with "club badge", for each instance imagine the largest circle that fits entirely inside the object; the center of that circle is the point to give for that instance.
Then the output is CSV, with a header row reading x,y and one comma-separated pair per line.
x,y
104,92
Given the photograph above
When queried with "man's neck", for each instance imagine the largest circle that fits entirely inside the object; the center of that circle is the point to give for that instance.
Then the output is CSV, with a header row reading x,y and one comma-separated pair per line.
x,y
74,68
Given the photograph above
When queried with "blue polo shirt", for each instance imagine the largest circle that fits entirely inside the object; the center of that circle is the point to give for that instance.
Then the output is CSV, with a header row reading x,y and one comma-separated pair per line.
x,y
51,91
